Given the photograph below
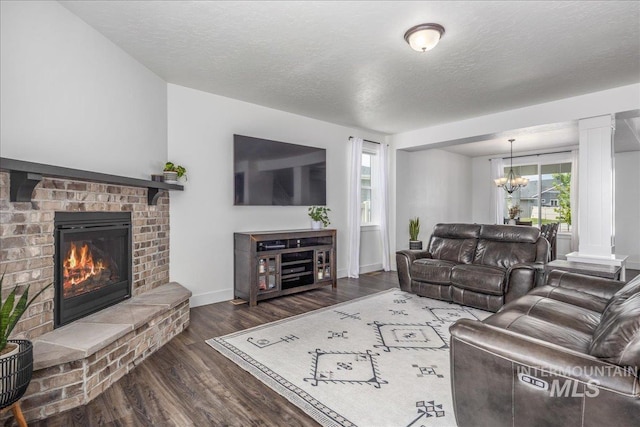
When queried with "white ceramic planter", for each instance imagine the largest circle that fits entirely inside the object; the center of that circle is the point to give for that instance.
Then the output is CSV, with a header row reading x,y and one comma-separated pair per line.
x,y
171,177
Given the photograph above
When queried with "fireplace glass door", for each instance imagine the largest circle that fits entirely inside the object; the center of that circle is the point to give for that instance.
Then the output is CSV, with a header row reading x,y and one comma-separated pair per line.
x,y
93,262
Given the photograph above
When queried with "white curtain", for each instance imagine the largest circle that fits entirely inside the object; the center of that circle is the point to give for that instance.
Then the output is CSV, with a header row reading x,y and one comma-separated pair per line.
x,y
574,201
383,173
353,267
497,193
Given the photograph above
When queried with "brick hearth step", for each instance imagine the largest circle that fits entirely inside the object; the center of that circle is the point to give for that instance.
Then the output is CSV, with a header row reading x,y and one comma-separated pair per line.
x,y
77,362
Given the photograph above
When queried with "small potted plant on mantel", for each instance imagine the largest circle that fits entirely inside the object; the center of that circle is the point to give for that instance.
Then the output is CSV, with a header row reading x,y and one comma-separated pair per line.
x,y
414,230
319,216
173,172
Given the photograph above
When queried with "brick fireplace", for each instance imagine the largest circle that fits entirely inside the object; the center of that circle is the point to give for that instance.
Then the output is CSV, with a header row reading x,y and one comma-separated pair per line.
x,y
76,362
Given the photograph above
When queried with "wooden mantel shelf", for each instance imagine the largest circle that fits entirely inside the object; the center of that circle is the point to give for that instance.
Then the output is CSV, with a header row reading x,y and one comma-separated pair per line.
x,y
25,176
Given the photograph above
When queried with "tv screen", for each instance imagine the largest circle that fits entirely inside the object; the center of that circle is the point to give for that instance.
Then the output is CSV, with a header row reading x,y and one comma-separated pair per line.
x,y
278,173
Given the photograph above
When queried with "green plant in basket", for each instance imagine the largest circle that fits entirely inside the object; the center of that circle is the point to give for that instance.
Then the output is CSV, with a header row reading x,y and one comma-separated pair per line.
x,y
11,311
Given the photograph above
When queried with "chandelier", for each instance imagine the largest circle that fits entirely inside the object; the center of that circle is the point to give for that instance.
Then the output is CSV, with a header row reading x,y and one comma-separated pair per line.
x,y
511,182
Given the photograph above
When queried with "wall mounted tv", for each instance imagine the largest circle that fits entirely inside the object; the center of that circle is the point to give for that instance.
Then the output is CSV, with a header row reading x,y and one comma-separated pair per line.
x,y
278,173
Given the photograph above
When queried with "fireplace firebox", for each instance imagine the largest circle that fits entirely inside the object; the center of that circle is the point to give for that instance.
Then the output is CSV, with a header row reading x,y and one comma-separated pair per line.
x,y
92,263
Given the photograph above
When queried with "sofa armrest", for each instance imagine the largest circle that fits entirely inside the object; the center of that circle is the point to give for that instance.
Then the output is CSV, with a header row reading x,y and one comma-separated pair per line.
x,y
598,286
404,259
534,354
521,278
541,272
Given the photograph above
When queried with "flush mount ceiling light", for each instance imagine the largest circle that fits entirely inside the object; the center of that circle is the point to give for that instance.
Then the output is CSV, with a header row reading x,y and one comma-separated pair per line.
x,y
424,37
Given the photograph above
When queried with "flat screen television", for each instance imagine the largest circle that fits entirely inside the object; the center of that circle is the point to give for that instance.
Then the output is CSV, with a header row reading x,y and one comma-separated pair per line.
x,y
278,173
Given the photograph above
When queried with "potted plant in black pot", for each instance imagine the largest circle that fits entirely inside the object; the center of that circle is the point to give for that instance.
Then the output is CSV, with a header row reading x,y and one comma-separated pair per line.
x,y
414,230
16,356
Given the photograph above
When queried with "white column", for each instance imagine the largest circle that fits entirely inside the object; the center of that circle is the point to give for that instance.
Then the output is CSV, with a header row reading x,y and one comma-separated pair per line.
x,y
596,186
596,194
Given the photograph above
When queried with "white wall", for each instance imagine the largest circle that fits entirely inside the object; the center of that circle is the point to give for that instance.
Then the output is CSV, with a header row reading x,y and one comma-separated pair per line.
x,y
627,209
70,97
433,185
203,218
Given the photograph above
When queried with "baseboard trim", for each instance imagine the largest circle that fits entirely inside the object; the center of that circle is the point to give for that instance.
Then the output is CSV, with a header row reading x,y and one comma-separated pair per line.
x,y
370,268
211,297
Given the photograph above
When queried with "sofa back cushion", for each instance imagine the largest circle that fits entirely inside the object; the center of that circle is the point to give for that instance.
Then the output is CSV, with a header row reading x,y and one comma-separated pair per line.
x,y
504,254
510,233
506,245
617,338
454,242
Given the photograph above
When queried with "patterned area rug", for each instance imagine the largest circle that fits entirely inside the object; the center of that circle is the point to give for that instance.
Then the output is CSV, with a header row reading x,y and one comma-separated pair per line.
x,y
381,360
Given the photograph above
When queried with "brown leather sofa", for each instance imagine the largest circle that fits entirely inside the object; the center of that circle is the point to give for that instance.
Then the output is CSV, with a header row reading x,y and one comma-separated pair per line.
x,y
483,266
565,354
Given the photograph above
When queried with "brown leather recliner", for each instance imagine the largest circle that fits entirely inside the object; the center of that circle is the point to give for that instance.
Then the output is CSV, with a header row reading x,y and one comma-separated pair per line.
x,y
482,266
566,354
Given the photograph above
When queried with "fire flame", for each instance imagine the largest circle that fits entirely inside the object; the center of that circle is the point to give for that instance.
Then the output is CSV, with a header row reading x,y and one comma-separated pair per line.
x,y
79,265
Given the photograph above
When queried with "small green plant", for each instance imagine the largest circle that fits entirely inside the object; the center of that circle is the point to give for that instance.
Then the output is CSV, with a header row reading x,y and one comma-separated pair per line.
x,y
180,170
11,312
319,213
414,228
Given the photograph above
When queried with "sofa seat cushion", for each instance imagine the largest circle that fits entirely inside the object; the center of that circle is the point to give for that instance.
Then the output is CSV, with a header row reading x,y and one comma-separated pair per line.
x,y
431,290
559,313
542,329
432,270
480,300
479,278
571,296
617,337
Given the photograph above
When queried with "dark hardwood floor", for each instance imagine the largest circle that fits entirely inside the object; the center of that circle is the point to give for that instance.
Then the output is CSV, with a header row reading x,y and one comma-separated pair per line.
x,y
188,383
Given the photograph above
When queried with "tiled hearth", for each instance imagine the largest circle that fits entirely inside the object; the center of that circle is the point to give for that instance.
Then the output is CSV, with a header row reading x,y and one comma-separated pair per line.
x,y
75,363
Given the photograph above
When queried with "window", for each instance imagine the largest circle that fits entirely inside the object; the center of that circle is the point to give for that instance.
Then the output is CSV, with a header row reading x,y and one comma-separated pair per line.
x,y
368,186
549,180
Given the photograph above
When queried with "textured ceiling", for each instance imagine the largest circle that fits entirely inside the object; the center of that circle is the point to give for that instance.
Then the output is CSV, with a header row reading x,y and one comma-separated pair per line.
x,y
346,62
